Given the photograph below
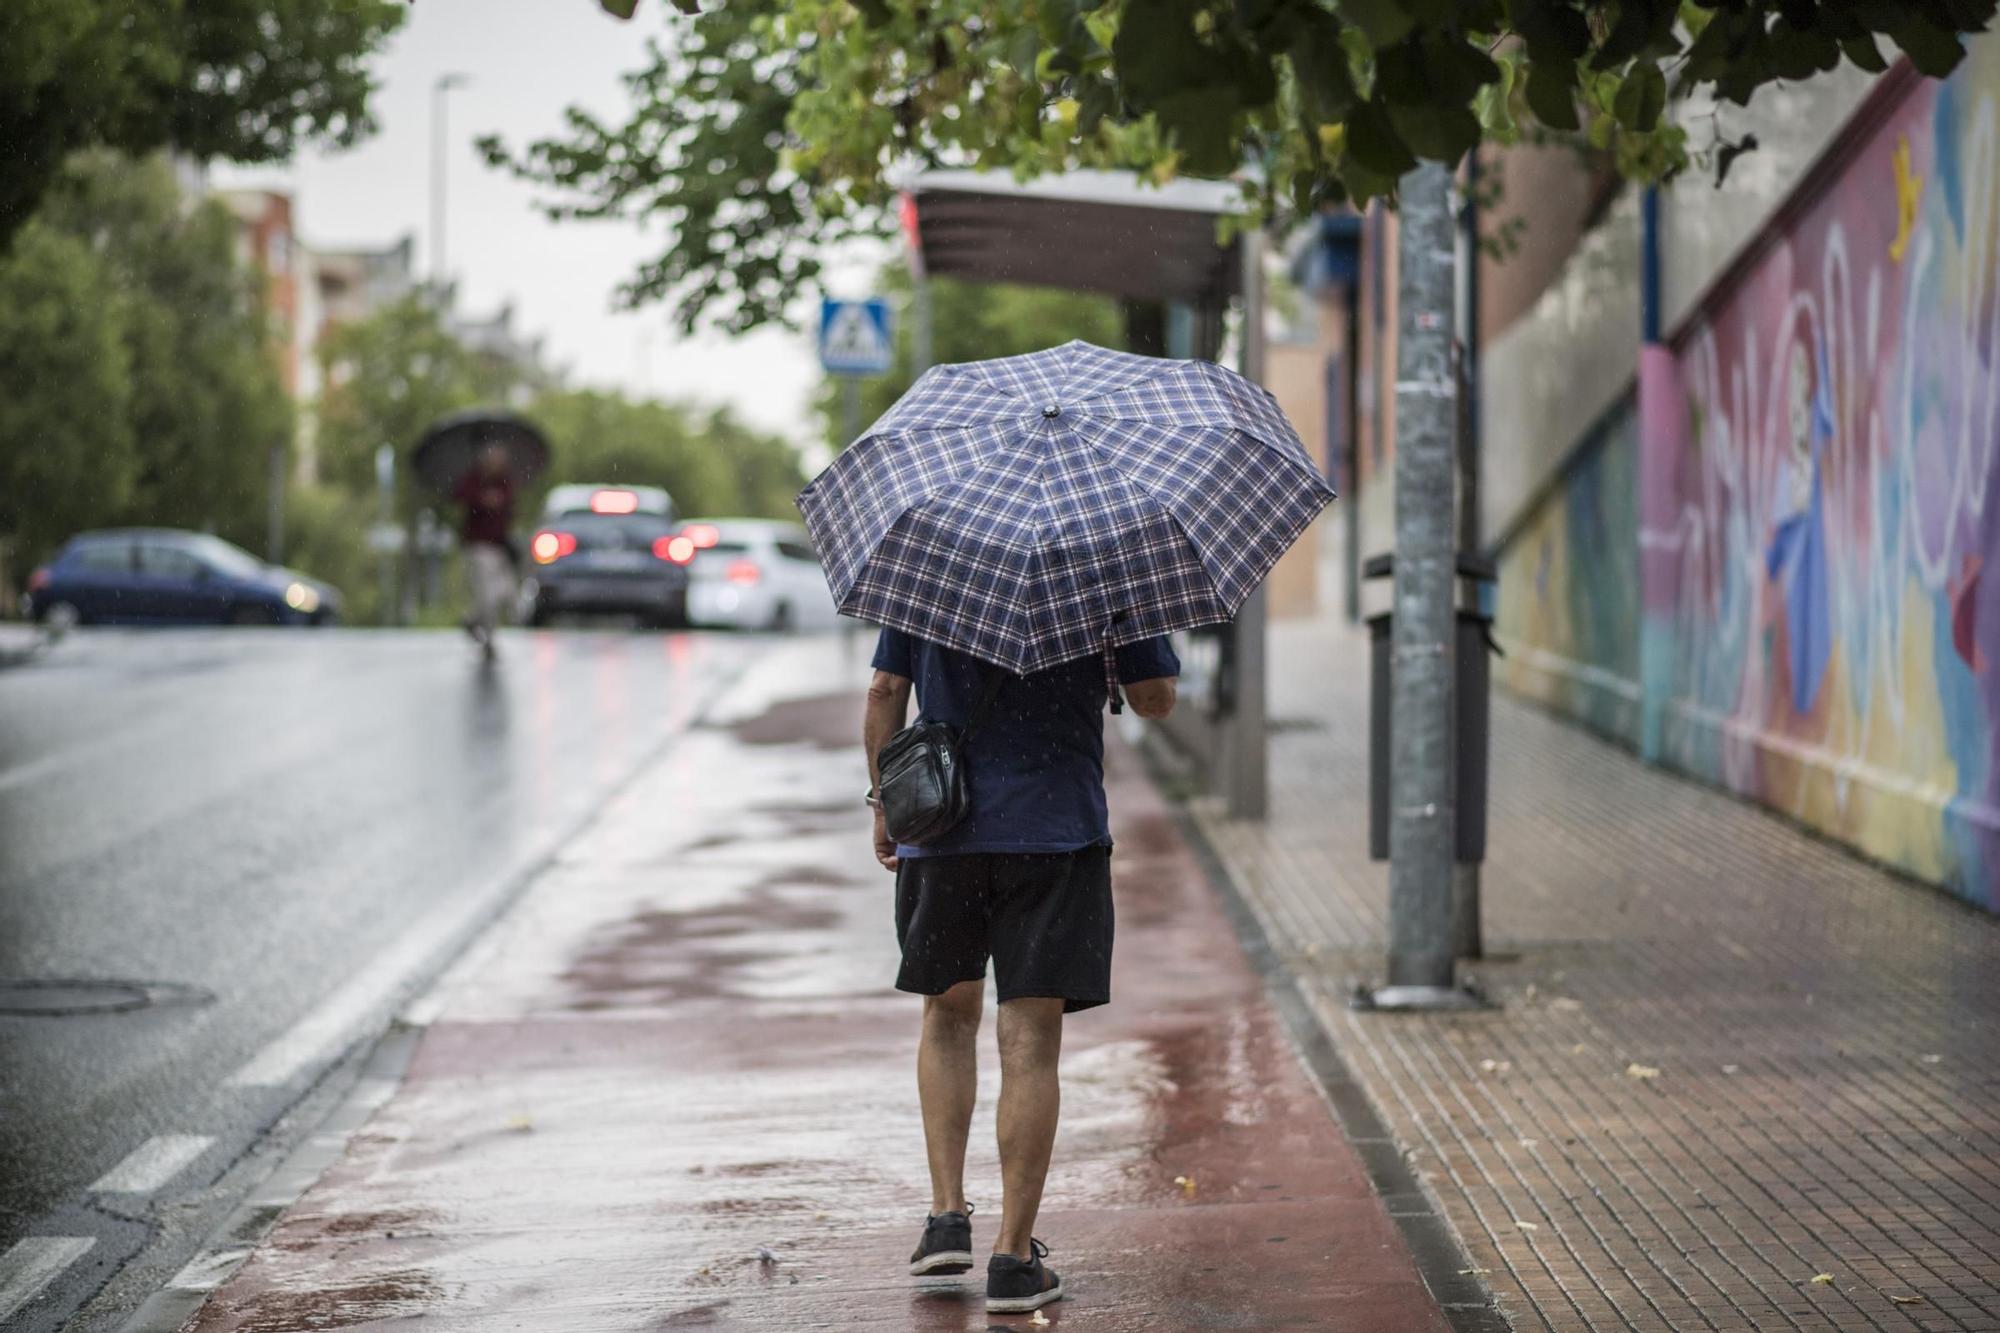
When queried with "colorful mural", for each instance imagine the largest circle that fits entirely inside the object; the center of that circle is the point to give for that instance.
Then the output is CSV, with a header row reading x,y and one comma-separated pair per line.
x,y
1819,499
1569,588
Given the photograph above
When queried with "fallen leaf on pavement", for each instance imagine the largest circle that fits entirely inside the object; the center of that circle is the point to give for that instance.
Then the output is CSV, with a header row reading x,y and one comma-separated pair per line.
x,y
1822,1279
1039,1319
1525,1226
1932,1059
1186,1183
1642,1072
1474,1272
1496,1066
521,1124
1566,1004
1907,1300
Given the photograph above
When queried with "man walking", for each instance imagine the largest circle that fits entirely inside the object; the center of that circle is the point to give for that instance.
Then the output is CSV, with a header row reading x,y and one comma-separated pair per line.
x,y
1025,879
487,492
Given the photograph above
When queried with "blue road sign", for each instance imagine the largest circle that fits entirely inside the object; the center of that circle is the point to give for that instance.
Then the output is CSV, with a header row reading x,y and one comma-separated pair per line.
x,y
854,337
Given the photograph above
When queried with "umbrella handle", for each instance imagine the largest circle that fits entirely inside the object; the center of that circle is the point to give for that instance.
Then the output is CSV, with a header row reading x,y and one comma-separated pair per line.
x,y
1111,676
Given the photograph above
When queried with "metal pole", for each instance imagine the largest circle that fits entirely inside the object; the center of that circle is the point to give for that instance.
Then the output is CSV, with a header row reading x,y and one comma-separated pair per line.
x,y
1465,888
1248,775
440,275
850,409
1351,515
1421,823
274,532
920,328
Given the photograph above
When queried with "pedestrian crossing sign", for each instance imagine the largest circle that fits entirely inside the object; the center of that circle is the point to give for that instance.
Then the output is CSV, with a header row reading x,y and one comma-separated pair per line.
x,y
854,337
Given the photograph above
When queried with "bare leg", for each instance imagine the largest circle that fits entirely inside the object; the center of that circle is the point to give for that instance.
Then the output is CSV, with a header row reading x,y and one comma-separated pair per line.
x,y
1030,1102
947,1085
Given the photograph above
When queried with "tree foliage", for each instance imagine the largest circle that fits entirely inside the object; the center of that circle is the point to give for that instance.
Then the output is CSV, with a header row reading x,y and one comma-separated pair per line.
x,y
703,153
708,461
247,80
142,381
762,130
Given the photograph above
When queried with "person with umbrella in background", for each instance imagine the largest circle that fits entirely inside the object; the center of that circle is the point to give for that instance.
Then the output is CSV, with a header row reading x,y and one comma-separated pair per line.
x,y
480,459
487,493
1027,531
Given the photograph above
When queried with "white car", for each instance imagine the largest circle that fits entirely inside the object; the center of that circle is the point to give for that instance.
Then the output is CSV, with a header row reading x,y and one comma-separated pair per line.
x,y
755,573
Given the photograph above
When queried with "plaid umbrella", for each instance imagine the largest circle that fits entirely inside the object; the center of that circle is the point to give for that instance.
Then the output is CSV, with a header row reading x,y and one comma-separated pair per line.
x,y
1035,509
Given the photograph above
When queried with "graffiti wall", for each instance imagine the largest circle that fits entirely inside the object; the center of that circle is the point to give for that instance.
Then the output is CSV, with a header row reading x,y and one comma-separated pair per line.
x,y
1819,498
1569,587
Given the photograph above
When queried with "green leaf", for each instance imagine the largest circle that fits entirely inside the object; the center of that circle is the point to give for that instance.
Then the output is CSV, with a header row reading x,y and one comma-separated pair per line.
x,y
1383,22
1319,63
1022,47
1373,142
1095,100
1551,25
1641,98
1552,92
1864,54
688,6
1798,54
1441,132
1934,50
1641,25
623,9
874,13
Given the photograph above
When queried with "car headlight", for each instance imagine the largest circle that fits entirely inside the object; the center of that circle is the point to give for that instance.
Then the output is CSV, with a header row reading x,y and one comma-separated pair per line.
x,y
301,598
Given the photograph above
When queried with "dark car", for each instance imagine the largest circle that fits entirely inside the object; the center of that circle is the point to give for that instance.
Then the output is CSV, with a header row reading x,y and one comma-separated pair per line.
x,y
617,556
162,576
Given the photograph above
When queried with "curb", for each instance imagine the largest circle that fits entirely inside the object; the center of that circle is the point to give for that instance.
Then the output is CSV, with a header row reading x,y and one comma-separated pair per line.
x,y
169,1308
1440,1259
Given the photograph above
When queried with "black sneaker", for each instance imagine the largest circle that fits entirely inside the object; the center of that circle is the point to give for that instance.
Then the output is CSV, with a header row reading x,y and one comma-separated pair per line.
x,y
946,1246
1016,1286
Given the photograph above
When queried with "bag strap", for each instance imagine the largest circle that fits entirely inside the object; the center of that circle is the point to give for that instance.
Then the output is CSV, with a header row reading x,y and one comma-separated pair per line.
x,y
994,678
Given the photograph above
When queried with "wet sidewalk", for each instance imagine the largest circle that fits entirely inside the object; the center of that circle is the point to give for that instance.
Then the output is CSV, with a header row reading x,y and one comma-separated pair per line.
x,y
1741,1080
674,1089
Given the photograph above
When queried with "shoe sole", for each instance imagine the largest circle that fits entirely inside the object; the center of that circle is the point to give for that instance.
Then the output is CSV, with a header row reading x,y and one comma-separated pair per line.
x,y
944,1261
1023,1304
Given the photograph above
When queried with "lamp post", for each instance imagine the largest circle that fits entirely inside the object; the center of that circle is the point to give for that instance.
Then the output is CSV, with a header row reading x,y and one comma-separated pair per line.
x,y
439,90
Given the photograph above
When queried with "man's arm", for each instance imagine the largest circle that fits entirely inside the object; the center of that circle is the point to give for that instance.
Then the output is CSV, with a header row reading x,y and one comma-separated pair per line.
x,y
887,708
1153,698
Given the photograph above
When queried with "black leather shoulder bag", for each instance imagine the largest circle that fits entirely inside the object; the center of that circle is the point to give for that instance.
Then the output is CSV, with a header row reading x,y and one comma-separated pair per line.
x,y
921,771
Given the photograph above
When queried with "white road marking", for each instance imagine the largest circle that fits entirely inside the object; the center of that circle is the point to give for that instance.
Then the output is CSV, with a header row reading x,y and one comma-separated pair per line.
x,y
32,1264
315,1036
153,1163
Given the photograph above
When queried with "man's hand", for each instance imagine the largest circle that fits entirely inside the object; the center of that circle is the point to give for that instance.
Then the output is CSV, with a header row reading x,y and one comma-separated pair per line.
x,y
885,846
1153,698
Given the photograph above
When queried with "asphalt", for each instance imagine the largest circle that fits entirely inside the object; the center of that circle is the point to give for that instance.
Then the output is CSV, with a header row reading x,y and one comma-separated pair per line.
x,y
268,840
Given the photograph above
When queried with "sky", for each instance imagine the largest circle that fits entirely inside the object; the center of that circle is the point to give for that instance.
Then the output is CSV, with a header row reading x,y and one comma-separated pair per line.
x,y
528,60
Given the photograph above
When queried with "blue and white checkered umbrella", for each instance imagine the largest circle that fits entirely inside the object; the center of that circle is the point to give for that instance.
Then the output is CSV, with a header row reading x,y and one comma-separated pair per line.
x,y
1035,509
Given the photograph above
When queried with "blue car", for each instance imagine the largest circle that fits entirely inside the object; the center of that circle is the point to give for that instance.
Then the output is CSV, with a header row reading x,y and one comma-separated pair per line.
x,y
160,576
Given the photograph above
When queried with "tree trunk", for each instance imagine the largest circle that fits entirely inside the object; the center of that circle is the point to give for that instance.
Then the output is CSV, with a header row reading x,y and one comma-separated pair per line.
x,y
1421,818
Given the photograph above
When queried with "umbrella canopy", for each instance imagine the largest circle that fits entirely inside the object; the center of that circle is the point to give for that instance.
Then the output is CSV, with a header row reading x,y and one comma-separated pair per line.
x,y
453,444
1035,509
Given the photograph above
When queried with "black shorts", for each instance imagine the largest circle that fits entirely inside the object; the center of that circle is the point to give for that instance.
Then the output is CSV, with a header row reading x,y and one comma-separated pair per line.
x,y
1044,918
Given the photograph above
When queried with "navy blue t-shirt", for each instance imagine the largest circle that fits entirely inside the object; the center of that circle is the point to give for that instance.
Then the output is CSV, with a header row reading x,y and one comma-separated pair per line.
x,y
1035,766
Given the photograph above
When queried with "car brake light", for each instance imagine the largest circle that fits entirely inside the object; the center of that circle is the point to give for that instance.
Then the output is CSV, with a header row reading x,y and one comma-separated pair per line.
x,y
549,547
677,549
743,571
703,535
38,580
614,502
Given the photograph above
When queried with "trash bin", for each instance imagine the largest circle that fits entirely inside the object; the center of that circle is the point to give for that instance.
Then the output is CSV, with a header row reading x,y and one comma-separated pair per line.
x,y
1471,708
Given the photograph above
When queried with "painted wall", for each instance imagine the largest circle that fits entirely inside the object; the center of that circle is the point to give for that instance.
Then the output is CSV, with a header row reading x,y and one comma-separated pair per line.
x,y
1569,587
1820,504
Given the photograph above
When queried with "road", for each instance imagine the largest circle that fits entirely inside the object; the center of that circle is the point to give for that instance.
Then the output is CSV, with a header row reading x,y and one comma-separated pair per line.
x,y
270,839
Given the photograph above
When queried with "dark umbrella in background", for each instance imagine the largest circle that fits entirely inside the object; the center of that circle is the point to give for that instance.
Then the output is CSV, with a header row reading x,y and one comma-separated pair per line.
x,y
1035,509
452,445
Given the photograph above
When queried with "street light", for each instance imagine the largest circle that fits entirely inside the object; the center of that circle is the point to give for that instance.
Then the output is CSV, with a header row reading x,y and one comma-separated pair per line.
x,y
445,83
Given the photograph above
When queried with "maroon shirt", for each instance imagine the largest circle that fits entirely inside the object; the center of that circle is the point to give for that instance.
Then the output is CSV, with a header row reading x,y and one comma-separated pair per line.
x,y
489,507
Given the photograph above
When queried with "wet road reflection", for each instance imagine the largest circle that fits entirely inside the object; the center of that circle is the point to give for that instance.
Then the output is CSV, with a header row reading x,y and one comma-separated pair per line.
x,y
264,815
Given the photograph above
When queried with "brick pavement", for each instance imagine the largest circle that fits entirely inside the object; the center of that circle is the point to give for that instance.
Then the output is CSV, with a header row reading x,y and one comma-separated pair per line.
x,y
1827,1100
